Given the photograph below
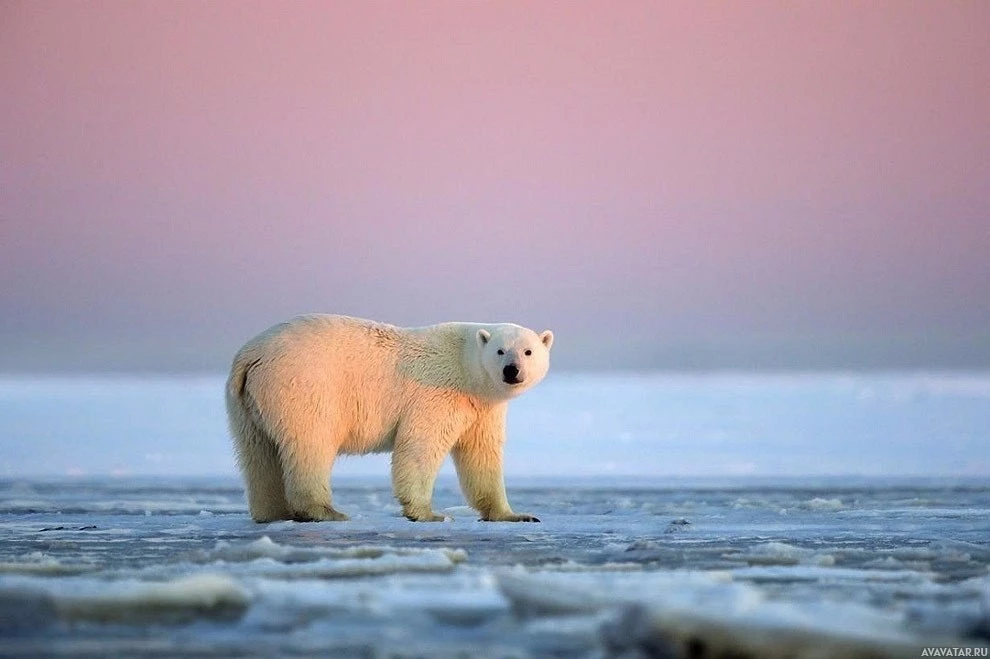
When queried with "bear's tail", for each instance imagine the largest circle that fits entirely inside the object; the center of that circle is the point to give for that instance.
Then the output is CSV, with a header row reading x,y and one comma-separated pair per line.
x,y
238,376
243,428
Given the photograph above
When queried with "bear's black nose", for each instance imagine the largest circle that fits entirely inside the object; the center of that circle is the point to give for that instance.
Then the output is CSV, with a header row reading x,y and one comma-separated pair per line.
x,y
510,374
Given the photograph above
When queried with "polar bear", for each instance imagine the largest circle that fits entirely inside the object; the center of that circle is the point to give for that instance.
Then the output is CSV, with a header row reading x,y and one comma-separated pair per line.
x,y
318,386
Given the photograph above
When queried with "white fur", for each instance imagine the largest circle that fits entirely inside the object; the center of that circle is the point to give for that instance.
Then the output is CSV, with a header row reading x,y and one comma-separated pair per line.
x,y
318,386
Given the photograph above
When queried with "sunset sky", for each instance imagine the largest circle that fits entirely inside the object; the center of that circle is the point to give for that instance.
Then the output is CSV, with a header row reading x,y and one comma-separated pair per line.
x,y
663,184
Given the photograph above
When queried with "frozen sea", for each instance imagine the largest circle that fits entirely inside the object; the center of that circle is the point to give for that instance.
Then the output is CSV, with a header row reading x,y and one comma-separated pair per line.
x,y
727,515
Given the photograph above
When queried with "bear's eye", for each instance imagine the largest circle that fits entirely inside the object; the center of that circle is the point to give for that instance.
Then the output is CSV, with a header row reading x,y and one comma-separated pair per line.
x,y
501,352
528,353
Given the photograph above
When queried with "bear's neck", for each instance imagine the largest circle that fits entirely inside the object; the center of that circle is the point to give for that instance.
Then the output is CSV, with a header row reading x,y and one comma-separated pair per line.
x,y
446,357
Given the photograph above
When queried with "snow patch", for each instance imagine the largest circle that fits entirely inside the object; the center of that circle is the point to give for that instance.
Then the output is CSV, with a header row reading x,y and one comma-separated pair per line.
x,y
129,601
780,553
266,548
39,563
823,505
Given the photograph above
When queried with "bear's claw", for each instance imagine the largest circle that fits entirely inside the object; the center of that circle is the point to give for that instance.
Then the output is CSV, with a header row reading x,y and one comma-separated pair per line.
x,y
511,517
324,514
429,517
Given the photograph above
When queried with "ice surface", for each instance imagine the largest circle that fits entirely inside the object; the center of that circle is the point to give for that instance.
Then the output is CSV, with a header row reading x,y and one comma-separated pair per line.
x,y
670,557
697,600
600,571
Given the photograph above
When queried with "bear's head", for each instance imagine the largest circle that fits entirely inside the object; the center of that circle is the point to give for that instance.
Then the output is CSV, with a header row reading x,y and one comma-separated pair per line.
x,y
514,358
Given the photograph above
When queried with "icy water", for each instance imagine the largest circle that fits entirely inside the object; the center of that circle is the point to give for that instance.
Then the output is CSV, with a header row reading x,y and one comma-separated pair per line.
x,y
174,567
672,526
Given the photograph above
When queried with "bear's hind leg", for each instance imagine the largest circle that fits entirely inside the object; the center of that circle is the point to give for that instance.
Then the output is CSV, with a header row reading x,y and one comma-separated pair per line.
x,y
306,470
259,462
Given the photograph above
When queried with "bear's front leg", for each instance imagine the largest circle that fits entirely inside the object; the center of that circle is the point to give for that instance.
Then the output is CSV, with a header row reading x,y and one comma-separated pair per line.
x,y
478,460
414,473
420,447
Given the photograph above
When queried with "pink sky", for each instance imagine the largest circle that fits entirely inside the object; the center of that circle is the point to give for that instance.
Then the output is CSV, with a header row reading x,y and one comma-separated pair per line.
x,y
663,184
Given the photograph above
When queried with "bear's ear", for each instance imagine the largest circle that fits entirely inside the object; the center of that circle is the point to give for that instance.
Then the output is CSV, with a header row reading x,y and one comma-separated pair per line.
x,y
547,338
483,337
